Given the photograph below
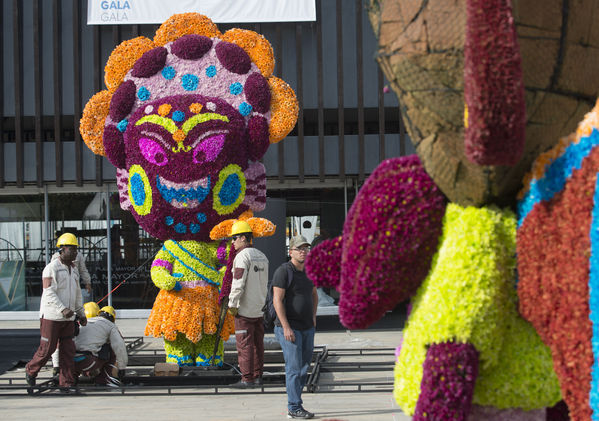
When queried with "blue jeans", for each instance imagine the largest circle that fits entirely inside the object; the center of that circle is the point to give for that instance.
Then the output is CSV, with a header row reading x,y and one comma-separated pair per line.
x,y
298,356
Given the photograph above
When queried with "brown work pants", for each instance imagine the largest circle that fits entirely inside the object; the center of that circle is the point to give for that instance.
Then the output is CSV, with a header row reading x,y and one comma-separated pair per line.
x,y
91,366
55,334
249,336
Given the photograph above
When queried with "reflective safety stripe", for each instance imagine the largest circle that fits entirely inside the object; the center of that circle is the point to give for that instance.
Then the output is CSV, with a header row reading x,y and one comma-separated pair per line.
x,y
45,339
237,332
89,366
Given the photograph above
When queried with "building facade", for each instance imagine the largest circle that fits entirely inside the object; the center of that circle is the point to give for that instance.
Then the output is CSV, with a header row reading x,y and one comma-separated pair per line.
x,y
50,182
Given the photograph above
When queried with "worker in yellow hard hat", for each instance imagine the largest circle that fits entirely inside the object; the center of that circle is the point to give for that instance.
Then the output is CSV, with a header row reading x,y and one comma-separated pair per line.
x,y
91,309
109,313
246,299
68,239
101,349
61,301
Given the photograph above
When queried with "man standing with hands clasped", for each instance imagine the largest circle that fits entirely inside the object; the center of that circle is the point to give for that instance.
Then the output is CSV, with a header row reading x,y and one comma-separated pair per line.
x,y
295,301
246,299
61,299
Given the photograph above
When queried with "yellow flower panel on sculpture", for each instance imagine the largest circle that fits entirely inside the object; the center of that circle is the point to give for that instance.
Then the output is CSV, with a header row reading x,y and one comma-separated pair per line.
x,y
469,296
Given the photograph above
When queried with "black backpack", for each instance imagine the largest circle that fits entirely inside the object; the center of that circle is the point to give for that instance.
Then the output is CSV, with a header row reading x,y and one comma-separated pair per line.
x,y
270,315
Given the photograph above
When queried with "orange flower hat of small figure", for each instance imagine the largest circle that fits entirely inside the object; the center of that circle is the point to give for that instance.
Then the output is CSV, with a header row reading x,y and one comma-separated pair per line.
x,y
261,227
244,59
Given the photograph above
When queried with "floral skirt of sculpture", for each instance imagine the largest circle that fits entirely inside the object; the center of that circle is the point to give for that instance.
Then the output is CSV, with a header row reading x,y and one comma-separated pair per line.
x,y
192,312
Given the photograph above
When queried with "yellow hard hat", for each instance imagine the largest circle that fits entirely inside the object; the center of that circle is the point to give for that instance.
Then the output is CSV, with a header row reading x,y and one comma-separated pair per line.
x,y
67,239
109,310
91,309
240,227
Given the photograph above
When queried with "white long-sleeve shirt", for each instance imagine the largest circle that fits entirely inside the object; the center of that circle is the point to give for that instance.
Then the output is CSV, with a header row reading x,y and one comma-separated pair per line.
x,y
64,292
84,275
96,333
250,281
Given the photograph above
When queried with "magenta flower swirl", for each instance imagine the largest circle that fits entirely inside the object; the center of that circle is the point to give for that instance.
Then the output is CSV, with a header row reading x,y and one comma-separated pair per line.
x,y
323,264
389,238
449,375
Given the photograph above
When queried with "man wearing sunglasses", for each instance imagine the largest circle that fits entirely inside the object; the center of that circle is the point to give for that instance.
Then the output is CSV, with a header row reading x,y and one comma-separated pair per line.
x,y
246,299
295,301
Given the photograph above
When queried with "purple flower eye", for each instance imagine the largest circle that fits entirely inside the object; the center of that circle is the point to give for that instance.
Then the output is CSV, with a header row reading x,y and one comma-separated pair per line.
x,y
152,151
208,149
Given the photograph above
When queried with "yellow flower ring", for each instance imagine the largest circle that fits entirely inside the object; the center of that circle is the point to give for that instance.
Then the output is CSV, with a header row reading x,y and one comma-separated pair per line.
x,y
140,191
229,191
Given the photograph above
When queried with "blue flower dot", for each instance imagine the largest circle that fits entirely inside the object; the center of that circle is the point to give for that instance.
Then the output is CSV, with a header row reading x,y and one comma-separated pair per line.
x,y
168,72
169,220
143,94
194,228
180,228
189,82
138,194
178,116
236,88
122,125
245,108
211,71
201,217
230,191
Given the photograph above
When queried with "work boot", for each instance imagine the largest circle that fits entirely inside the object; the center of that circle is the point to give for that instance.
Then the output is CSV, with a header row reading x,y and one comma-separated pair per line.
x,y
30,379
242,385
300,413
69,390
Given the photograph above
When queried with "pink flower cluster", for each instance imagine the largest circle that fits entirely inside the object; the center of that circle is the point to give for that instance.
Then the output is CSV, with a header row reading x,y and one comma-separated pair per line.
x,y
225,289
389,238
449,375
493,85
323,265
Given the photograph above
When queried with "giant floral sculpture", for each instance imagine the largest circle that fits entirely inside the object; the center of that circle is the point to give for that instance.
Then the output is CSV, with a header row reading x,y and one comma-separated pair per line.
x,y
185,119
482,341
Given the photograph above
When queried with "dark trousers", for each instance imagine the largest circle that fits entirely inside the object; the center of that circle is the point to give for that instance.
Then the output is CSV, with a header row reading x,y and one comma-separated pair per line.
x,y
249,336
94,367
55,334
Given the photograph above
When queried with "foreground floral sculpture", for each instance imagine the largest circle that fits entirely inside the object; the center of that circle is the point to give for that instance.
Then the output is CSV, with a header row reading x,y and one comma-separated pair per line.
x,y
185,119
483,341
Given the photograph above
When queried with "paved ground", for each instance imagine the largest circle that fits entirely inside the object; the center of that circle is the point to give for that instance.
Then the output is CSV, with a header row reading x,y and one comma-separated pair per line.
x,y
228,404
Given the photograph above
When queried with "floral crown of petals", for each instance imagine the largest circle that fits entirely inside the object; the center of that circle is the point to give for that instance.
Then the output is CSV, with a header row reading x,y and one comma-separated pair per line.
x,y
280,113
261,227
91,127
256,46
122,59
185,24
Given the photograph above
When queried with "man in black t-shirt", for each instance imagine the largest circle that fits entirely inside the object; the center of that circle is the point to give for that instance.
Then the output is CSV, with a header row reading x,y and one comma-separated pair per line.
x,y
295,302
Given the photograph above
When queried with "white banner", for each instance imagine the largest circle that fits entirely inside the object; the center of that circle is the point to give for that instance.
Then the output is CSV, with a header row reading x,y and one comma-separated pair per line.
x,y
127,12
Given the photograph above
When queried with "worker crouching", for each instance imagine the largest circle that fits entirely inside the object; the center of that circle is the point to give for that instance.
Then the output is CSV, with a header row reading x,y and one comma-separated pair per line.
x,y
101,350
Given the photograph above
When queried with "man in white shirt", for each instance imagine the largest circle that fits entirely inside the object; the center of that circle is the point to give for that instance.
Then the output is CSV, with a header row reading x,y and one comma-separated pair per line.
x,y
61,301
246,299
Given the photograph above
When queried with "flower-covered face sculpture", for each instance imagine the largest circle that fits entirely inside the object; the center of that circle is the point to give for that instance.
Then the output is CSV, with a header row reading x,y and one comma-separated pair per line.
x,y
185,118
186,158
